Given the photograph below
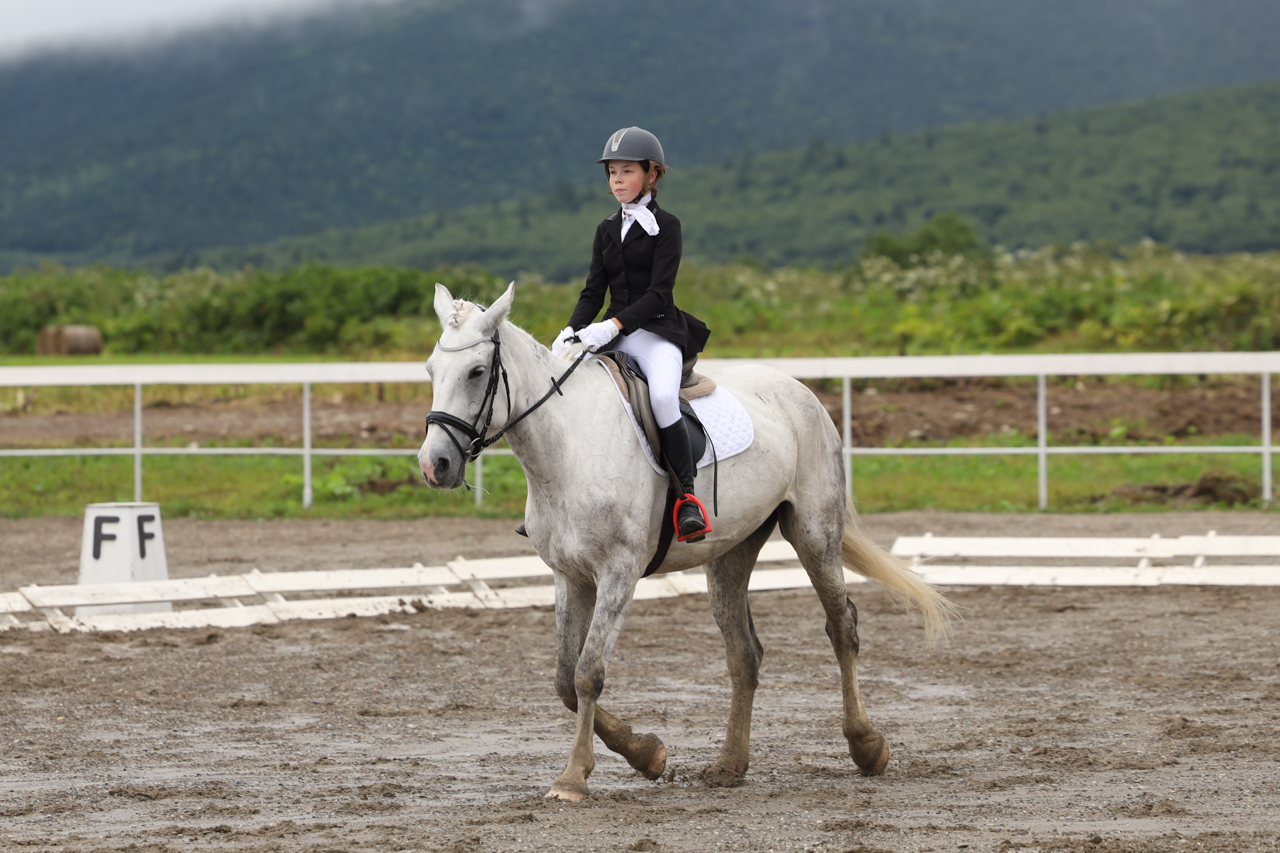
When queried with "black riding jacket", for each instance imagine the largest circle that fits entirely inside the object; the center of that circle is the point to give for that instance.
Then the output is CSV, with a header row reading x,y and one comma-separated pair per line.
x,y
639,274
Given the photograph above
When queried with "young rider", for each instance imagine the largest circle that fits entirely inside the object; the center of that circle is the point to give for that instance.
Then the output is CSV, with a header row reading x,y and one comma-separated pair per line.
x,y
634,259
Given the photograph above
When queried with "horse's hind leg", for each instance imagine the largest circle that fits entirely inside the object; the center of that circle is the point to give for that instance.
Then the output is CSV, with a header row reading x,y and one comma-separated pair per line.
x,y
727,579
816,536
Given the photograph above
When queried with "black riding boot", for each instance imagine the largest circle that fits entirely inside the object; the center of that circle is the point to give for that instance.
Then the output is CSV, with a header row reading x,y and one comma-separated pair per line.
x,y
691,520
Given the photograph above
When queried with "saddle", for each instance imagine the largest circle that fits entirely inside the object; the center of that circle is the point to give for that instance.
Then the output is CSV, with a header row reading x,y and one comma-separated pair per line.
x,y
635,390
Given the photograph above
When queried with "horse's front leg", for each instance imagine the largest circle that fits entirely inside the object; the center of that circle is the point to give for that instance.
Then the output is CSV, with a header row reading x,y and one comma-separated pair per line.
x,y
574,608
646,753
586,661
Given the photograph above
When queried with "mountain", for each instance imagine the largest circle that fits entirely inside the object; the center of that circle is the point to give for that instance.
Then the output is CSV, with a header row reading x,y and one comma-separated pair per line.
x,y
352,117
1200,171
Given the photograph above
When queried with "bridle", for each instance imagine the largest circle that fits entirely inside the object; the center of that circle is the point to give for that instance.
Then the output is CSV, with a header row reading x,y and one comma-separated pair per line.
x,y
473,430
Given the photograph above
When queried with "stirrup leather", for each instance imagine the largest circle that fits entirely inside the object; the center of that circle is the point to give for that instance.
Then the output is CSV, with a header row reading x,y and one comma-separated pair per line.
x,y
675,519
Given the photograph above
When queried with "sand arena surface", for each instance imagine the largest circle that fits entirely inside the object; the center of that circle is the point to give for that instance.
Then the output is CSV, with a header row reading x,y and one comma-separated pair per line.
x,y
1072,719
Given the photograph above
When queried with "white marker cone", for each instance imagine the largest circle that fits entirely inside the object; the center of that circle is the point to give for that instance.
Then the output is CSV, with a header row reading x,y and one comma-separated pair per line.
x,y
123,543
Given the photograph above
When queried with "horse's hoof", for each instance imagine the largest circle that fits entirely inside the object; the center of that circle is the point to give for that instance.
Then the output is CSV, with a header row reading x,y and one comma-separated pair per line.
x,y
565,794
650,757
876,767
722,776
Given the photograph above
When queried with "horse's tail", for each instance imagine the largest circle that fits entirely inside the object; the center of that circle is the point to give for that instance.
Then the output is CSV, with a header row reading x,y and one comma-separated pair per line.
x,y
904,585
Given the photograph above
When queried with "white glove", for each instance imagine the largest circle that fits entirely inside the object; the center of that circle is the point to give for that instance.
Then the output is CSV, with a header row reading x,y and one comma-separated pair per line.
x,y
562,341
598,335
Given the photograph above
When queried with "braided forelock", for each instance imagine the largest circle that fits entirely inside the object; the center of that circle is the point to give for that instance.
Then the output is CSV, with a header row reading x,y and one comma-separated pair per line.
x,y
462,311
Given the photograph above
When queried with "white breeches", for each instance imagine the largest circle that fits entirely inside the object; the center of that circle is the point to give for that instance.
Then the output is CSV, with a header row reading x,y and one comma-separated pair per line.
x,y
661,362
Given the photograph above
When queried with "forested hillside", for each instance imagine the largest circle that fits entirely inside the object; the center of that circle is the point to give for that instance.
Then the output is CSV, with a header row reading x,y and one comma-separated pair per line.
x,y
1200,171
361,116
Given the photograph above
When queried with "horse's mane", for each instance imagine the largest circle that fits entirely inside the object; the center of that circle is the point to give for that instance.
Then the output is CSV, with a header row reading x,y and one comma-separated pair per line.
x,y
462,311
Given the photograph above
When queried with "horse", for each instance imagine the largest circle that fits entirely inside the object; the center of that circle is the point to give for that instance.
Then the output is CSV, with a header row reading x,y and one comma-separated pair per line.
x,y
594,512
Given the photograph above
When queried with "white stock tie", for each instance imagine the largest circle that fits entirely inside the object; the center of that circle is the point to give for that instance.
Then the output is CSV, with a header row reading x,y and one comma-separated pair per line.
x,y
641,214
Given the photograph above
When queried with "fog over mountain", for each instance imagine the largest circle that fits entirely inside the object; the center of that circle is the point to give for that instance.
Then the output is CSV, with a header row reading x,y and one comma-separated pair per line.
x,y
41,26
368,113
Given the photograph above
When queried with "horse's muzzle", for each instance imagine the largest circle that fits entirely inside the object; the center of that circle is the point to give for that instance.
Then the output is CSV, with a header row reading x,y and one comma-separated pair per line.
x,y
442,468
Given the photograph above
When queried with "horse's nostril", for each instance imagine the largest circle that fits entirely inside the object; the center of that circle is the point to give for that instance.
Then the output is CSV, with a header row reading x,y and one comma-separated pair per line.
x,y
442,465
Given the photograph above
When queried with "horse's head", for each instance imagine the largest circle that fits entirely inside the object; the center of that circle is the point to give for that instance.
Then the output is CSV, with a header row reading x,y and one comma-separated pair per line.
x,y
465,392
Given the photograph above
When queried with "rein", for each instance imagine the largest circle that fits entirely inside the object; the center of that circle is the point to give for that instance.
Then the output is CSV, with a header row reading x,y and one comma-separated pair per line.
x,y
474,431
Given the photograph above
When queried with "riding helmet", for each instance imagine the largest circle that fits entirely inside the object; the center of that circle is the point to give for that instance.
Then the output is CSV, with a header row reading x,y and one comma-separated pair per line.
x,y
633,143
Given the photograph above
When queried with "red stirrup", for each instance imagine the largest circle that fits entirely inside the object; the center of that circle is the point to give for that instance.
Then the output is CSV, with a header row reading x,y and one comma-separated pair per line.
x,y
675,518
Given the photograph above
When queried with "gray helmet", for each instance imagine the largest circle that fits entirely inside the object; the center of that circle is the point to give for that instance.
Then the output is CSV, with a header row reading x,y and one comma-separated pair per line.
x,y
633,143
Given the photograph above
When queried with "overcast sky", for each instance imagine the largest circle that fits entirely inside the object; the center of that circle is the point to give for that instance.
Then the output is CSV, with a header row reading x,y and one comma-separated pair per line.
x,y
33,24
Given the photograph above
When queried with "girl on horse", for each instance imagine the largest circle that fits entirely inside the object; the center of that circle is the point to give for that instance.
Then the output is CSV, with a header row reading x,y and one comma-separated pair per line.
x,y
634,259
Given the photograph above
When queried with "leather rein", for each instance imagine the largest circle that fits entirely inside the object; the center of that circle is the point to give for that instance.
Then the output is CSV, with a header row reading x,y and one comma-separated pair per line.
x,y
476,430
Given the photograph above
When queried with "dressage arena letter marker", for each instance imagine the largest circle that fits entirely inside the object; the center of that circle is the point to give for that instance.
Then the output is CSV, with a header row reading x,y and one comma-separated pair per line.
x,y
144,535
99,537
123,542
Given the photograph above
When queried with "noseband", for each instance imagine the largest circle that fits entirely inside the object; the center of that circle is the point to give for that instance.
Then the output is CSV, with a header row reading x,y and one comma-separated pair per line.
x,y
474,431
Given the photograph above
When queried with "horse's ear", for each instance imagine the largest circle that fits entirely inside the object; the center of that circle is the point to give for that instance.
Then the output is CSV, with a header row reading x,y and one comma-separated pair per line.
x,y
443,304
498,311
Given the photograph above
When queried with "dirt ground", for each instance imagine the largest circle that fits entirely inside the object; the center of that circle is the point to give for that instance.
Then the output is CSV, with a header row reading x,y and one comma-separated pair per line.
x,y
891,412
1079,719
1083,412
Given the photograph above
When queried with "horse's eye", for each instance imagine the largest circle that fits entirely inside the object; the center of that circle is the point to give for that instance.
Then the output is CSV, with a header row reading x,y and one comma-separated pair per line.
x,y
477,372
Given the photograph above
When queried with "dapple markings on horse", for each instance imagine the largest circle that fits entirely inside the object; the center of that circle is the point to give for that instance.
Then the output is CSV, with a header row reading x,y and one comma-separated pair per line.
x,y
593,515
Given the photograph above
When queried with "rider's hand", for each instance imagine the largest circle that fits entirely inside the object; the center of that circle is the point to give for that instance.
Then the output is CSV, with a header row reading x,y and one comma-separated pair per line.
x,y
598,335
562,342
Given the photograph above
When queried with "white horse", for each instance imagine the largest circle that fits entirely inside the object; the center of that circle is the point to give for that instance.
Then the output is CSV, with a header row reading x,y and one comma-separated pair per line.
x,y
594,511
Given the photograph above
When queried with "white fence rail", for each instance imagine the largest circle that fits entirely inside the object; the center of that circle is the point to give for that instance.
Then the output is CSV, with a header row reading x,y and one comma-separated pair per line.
x,y
259,597
1261,364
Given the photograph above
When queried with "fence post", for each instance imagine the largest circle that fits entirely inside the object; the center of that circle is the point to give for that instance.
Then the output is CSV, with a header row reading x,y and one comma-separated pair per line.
x,y
1042,437
137,442
1266,437
480,479
846,430
306,445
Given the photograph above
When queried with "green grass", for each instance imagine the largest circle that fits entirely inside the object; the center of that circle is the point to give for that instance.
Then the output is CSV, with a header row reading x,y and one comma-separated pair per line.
x,y
249,487
1010,483
105,399
271,487
115,358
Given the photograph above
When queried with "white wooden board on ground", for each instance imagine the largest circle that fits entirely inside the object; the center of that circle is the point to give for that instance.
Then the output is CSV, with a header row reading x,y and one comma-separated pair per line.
x,y
259,597
1176,560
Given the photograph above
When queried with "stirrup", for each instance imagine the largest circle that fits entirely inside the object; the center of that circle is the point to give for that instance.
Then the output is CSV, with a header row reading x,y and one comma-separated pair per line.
x,y
697,535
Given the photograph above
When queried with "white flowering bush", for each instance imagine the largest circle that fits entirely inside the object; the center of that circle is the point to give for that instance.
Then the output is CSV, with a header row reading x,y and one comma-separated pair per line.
x,y
1062,298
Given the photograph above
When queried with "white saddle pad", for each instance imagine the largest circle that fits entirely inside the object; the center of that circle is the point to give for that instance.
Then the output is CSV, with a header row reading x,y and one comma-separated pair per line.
x,y
726,421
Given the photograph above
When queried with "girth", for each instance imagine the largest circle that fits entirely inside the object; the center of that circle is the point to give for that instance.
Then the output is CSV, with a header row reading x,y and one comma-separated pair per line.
x,y
636,390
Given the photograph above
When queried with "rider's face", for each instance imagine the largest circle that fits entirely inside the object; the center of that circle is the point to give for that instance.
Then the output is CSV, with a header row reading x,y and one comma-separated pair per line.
x,y
626,180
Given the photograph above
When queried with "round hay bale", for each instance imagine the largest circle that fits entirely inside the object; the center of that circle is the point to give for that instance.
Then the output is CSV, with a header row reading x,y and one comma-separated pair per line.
x,y
47,343
82,340
69,340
